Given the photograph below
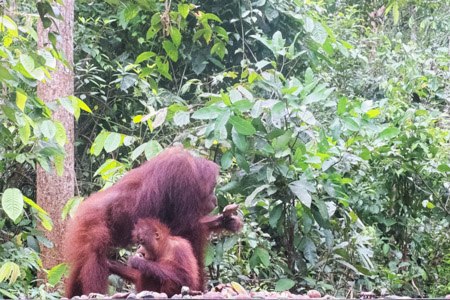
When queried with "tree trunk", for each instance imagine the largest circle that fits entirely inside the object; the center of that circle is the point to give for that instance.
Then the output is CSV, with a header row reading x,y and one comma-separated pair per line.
x,y
54,191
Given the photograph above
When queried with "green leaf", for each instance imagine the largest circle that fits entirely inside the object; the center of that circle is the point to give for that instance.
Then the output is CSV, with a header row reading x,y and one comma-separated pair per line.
x,y
319,34
99,143
31,203
55,274
9,270
209,255
239,140
242,162
373,113
242,126
60,134
112,142
206,113
67,104
389,133
128,81
175,35
130,12
58,160
27,62
309,24
24,133
249,201
443,168
341,105
263,256
275,215
138,151
144,56
284,284
350,124
171,50
301,192
152,149
84,106
218,48
209,16
21,99
183,9
181,118
5,74
396,13
12,203
227,160
48,129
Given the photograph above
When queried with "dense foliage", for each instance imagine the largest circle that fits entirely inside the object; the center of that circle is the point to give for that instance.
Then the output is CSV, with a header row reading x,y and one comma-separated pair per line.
x,y
330,121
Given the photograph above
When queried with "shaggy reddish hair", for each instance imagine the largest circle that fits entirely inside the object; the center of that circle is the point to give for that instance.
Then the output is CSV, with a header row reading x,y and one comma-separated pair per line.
x,y
174,187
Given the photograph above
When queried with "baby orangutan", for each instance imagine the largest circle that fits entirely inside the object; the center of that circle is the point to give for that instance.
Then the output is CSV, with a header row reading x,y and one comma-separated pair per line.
x,y
163,263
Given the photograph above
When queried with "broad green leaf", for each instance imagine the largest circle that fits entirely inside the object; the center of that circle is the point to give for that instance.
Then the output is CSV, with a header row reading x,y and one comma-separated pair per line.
x,y
207,113
313,160
389,133
12,203
443,168
341,105
275,215
242,126
227,160
218,48
373,113
21,99
144,56
284,284
112,142
138,151
171,50
396,13
67,104
263,256
128,81
175,35
99,143
152,149
309,24
24,133
58,160
5,74
209,255
60,134
249,201
55,274
239,140
9,270
71,207
301,192
181,118
84,106
350,124
137,119
242,162
309,250
27,62
319,34
209,16
130,12
183,9
48,129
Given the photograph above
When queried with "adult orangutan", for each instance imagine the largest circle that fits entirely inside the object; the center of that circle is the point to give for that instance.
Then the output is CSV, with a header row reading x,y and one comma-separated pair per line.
x,y
163,263
174,187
